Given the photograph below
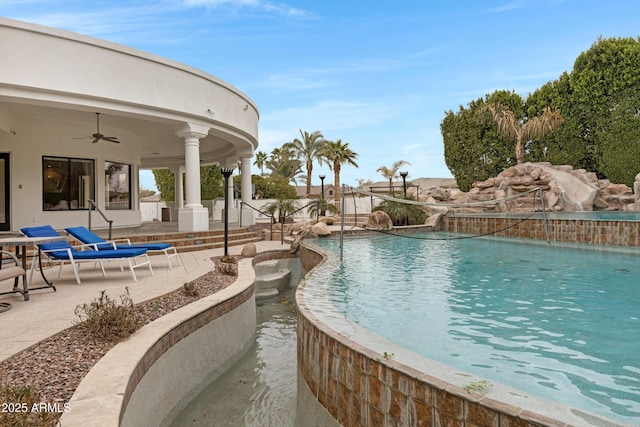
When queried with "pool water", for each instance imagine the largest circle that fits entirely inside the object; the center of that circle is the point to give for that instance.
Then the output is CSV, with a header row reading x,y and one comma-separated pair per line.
x,y
562,323
260,389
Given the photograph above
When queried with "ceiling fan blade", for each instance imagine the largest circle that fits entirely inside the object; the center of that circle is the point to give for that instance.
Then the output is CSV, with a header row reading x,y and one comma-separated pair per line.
x,y
98,136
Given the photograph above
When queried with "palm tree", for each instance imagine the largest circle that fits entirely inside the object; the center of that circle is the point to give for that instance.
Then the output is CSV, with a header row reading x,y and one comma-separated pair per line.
x,y
307,149
283,162
261,159
337,154
363,183
392,172
512,128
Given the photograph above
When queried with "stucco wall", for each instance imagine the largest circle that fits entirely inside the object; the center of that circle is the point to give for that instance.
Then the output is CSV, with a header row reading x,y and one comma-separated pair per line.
x,y
106,70
46,137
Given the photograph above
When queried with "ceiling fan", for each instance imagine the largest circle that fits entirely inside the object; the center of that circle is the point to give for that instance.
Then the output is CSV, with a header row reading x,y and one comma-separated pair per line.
x,y
98,136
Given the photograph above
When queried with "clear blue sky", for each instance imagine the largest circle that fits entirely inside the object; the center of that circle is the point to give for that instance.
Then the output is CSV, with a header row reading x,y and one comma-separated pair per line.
x,y
376,74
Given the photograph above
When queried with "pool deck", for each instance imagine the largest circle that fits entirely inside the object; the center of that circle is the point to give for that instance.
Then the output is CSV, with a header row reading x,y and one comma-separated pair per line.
x,y
48,312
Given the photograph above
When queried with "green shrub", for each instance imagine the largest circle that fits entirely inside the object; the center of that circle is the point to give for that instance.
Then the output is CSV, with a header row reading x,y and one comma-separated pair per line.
x,y
403,213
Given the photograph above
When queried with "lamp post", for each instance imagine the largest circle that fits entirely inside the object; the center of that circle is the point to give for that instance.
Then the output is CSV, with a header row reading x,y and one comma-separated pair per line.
x,y
404,182
322,177
226,172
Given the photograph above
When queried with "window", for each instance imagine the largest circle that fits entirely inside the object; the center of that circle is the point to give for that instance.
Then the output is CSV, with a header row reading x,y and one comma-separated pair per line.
x,y
67,184
117,177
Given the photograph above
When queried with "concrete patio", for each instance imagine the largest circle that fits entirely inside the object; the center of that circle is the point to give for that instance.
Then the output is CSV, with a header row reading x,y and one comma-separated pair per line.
x,y
48,312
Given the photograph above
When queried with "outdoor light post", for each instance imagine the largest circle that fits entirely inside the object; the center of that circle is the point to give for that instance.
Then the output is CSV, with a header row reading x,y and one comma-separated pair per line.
x,y
404,182
226,172
322,177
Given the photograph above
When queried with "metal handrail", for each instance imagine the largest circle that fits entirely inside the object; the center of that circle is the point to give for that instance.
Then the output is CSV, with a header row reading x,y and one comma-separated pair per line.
x,y
259,211
110,221
291,215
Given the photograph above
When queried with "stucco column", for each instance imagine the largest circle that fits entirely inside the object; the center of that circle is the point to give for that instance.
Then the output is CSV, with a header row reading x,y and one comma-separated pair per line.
x,y
245,171
193,216
192,169
248,217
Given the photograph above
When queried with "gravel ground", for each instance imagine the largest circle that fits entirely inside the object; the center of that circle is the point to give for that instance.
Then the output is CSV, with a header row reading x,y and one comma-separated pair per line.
x,y
53,368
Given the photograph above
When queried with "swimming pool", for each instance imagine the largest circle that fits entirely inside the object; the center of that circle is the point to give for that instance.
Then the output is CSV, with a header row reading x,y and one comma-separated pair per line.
x,y
558,322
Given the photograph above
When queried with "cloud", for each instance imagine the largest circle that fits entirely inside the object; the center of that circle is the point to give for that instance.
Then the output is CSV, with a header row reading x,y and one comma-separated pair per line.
x,y
292,82
517,4
406,149
266,6
331,116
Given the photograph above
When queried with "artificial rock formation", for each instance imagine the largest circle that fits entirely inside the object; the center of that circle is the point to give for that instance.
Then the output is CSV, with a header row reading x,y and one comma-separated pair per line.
x,y
564,188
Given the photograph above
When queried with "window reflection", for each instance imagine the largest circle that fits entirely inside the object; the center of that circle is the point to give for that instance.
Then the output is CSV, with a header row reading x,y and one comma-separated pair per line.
x,y
117,185
67,183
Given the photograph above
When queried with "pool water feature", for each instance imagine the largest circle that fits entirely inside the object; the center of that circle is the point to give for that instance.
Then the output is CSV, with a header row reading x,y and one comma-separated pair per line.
x,y
554,321
260,389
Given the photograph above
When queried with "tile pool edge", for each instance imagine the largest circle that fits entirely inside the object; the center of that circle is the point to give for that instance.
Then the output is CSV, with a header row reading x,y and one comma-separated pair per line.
x,y
360,386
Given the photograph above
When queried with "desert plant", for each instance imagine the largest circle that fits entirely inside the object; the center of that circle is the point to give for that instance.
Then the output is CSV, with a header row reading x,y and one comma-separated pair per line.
x,y
23,406
403,213
190,290
514,128
322,207
107,320
283,207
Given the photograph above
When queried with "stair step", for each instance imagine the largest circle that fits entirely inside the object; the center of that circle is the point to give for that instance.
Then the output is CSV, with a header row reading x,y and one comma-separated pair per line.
x,y
197,241
217,245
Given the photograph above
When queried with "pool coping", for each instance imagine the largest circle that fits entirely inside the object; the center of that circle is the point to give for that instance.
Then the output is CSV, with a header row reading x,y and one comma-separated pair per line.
x,y
112,382
371,381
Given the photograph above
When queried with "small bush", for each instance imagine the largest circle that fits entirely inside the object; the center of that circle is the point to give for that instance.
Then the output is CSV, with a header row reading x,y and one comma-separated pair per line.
x,y
403,213
106,320
190,290
24,408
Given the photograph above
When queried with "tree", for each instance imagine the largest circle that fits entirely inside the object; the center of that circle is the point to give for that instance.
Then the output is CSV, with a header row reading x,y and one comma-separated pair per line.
x,y
145,192
165,183
273,187
283,162
512,128
261,159
337,154
392,172
564,146
364,183
600,76
619,138
210,183
473,150
308,148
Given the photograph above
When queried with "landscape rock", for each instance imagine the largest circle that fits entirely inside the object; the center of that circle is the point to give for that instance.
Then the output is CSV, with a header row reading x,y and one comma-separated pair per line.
x,y
379,220
320,229
249,250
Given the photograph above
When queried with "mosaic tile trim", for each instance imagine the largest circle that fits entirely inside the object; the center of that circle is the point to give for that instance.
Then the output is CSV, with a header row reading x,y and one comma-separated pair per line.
x,y
609,233
175,335
360,387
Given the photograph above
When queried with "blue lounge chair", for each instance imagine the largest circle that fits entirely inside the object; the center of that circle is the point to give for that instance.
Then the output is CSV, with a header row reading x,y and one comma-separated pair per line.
x,y
62,251
88,237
